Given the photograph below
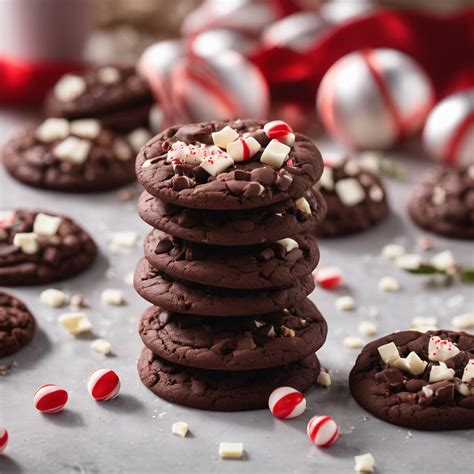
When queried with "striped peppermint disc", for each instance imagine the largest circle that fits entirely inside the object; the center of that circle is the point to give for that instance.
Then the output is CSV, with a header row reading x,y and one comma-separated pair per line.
x,y
286,402
103,384
3,439
281,131
328,277
322,431
50,398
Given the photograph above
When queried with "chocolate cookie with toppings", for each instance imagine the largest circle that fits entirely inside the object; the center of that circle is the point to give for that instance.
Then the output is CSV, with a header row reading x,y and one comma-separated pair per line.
x,y
192,298
17,325
249,226
418,380
444,202
259,342
355,197
77,156
113,94
223,390
270,265
38,248
228,165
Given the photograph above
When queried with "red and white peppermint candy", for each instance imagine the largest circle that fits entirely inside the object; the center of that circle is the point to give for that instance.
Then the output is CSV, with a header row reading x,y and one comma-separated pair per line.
x,y
328,277
103,384
286,403
3,439
7,218
50,398
243,149
281,131
441,349
322,431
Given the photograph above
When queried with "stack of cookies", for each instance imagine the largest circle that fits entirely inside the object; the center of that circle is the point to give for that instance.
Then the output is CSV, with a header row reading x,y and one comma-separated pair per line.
x,y
228,264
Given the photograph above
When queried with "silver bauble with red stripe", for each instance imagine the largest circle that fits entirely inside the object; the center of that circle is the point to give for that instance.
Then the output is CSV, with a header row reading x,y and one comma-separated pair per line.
x,y
212,42
449,131
372,99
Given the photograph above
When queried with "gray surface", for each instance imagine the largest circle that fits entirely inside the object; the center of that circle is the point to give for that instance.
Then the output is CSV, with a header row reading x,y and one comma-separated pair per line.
x,y
132,433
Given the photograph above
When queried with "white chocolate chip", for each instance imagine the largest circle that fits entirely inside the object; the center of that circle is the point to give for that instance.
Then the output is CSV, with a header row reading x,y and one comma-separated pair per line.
x,y
108,75
53,298
101,346
124,239
443,261
370,161
52,129
180,428
350,191
324,379
275,154
463,389
441,349
439,196
112,297
424,324
388,352
217,163
75,323
72,149
409,261
46,225
288,244
412,364
303,205
468,373
345,303
327,181
463,321
351,342
441,372
376,193
393,251
364,463
138,138
86,128
122,150
69,87
388,284
27,242
231,450
367,328
223,137
351,168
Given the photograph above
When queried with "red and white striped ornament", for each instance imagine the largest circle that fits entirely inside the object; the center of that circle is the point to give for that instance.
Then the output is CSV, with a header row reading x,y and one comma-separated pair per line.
x,y
103,384
322,431
286,403
50,398
448,135
3,439
328,277
281,131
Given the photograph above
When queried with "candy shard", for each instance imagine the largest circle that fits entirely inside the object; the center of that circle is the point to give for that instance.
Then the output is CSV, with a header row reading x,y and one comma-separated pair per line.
x,y
180,428
441,372
441,349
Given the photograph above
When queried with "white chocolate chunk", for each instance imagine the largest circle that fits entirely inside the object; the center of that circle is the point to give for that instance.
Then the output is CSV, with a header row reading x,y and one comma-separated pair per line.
x,y
243,149
409,261
6,218
367,328
463,321
46,225
464,389
441,372
112,297
411,363
388,284
75,323
424,324
72,149
289,244
223,137
122,150
376,193
138,138
124,239
324,379
86,128
350,191
275,154
231,450
443,261
441,349
217,163
388,352
53,298
108,75
364,463
345,303
27,242
351,168
393,251
303,205
439,196
52,129
69,87
101,346
468,373
327,181
370,161
352,342
180,428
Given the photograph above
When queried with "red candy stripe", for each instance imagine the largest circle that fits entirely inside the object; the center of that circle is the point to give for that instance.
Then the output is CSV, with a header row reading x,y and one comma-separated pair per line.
x,y
3,439
245,149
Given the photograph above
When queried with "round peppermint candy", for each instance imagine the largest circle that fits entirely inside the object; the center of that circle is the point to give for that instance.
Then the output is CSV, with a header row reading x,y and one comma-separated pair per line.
x,y
322,431
50,398
103,384
3,439
286,403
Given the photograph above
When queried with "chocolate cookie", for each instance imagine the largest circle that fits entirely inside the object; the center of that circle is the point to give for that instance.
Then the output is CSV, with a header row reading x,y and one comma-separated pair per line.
x,y
222,390
439,397
444,202
267,265
245,343
38,248
246,226
183,166
17,325
77,156
186,297
355,197
113,94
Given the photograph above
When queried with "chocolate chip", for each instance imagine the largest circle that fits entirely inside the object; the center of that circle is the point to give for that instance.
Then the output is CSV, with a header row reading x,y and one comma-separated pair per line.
x,y
245,342
265,255
445,394
252,189
265,175
242,175
393,377
181,182
200,174
283,180
237,188
294,255
164,246
194,134
184,169
414,385
261,137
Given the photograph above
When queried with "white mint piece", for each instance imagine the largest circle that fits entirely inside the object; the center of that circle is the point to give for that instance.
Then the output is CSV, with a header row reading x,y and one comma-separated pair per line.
x,y
243,148
468,373
180,428
303,205
46,225
112,297
177,153
441,372
345,303
324,379
53,298
370,161
364,463
388,284
86,128
464,389
75,323
367,328
411,363
327,181
410,261
27,242
443,260
350,191
108,75
52,129
351,342
225,136
388,352
217,163
125,238
351,167
69,87
231,450
101,346
275,154
289,244
463,321
376,193
393,251
72,149
441,349
138,138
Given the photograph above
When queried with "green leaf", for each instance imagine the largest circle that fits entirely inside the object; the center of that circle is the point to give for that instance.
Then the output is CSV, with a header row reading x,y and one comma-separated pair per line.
x,y
424,269
467,274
